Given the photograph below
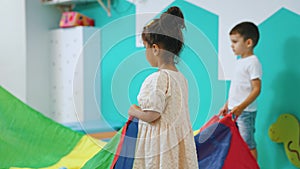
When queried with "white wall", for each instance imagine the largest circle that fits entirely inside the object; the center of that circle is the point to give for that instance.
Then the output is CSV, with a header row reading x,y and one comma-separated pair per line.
x,y
24,59
13,47
39,20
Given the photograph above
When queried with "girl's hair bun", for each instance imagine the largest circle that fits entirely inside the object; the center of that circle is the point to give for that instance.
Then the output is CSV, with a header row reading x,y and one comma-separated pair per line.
x,y
166,31
172,19
174,10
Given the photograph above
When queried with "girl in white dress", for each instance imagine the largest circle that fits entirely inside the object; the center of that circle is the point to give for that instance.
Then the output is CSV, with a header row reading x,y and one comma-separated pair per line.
x,y
165,136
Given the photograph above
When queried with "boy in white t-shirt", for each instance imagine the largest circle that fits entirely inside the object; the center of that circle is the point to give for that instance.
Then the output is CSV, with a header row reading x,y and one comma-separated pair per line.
x,y
246,82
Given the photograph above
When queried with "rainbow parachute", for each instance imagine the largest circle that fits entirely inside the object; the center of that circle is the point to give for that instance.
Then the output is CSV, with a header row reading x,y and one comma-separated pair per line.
x,y
28,139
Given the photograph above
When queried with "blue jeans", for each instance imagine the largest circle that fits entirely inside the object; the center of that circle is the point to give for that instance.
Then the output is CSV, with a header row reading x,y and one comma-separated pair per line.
x,y
246,125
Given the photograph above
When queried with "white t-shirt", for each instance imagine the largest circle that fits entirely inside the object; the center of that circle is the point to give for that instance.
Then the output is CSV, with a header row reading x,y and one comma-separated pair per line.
x,y
246,69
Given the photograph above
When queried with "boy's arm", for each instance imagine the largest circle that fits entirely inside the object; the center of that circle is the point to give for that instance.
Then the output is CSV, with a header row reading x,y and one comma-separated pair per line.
x,y
147,116
223,111
256,87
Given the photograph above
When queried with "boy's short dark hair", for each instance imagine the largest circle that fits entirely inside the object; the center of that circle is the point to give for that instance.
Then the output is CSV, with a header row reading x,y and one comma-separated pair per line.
x,y
247,30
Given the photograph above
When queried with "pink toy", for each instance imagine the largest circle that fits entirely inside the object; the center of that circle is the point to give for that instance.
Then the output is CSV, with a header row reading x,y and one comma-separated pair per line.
x,y
71,19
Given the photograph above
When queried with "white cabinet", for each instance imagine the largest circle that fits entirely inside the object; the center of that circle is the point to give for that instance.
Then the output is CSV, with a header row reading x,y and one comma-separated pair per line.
x,y
75,77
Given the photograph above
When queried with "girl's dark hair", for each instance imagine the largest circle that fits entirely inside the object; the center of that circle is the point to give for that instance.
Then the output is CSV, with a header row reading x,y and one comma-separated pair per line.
x,y
247,30
166,31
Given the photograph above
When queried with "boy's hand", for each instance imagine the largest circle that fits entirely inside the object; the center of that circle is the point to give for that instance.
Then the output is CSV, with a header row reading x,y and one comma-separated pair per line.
x,y
224,110
237,110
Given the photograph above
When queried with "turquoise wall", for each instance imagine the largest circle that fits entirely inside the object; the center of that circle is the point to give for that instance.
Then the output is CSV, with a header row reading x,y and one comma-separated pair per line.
x,y
124,67
279,52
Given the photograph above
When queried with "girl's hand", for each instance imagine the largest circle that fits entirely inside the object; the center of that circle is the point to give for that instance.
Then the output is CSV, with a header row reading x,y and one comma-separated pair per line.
x,y
133,110
147,116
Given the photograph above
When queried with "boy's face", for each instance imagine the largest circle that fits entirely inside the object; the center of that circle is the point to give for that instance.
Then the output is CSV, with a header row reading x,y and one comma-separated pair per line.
x,y
239,45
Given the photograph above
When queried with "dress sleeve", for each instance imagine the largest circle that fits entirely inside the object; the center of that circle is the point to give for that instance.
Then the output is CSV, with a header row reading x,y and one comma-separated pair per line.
x,y
152,95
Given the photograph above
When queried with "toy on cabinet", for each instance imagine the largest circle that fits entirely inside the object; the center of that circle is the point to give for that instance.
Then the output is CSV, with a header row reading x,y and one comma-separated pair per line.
x,y
71,19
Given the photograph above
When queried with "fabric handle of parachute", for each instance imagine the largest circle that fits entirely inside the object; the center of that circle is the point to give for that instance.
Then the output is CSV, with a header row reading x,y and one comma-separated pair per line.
x,y
118,152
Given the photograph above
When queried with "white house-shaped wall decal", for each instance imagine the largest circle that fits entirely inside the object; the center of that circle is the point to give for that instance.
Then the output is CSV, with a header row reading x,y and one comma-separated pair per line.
x,y
230,13
145,11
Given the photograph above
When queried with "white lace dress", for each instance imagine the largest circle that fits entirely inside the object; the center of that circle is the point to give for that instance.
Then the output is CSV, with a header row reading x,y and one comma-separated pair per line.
x,y
167,143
